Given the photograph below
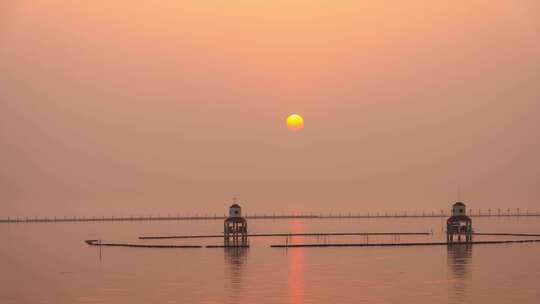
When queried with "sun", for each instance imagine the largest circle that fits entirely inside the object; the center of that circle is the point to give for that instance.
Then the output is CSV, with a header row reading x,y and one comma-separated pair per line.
x,y
295,122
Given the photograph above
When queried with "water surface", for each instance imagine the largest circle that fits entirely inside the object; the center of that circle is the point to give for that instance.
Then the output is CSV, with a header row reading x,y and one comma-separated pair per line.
x,y
50,263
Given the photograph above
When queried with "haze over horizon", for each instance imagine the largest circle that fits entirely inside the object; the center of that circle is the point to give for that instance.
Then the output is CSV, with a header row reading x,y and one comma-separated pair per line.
x,y
110,108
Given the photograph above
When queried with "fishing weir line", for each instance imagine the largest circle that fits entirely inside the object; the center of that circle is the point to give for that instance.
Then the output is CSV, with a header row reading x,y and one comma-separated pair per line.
x,y
99,243
401,244
287,235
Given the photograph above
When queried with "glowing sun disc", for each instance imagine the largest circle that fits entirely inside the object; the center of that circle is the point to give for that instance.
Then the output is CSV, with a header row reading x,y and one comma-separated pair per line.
x,y
295,122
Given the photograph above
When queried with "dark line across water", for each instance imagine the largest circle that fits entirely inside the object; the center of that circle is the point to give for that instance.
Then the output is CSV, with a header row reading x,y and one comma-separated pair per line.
x,y
403,244
98,243
283,234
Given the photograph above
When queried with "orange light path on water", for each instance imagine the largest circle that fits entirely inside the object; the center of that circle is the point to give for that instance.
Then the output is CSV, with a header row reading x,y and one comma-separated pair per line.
x,y
296,264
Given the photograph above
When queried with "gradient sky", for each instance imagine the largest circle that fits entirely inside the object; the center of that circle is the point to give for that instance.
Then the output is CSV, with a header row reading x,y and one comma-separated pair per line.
x,y
147,107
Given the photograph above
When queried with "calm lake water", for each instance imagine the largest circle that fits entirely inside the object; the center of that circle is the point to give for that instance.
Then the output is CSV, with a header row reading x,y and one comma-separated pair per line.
x,y
50,263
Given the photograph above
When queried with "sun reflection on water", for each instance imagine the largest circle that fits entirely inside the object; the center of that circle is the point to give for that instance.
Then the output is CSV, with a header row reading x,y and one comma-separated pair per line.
x,y
296,264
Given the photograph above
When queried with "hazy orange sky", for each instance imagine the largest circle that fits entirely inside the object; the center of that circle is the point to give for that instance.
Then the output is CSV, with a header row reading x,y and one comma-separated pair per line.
x,y
147,107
